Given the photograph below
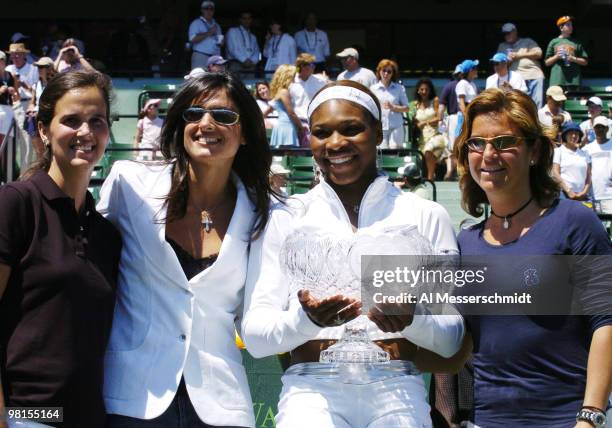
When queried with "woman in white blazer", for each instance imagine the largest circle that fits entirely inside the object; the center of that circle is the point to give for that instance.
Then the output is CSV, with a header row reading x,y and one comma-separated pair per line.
x,y
352,197
186,224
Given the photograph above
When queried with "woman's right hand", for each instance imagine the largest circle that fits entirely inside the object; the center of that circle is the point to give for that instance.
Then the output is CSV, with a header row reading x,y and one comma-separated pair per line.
x,y
330,311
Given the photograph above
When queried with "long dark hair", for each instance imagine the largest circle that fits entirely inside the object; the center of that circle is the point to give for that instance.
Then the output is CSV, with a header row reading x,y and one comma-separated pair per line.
x,y
523,113
432,90
56,88
252,161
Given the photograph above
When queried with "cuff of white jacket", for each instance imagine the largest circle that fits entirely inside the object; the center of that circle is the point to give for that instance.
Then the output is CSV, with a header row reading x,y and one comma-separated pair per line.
x,y
442,334
303,324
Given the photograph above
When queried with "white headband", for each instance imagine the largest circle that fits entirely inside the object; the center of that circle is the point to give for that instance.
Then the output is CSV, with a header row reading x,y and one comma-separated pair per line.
x,y
344,93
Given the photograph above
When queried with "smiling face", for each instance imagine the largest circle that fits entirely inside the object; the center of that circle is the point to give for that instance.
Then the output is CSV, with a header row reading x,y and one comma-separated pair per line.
x,y
500,172
263,91
423,91
79,131
207,141
343,140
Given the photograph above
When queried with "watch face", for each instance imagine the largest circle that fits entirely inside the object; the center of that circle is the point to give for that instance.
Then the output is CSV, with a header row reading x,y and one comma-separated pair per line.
x,y
599,419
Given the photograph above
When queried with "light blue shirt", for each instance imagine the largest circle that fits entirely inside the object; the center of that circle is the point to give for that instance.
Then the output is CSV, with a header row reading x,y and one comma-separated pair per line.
x,y
313,42
241,45
209,45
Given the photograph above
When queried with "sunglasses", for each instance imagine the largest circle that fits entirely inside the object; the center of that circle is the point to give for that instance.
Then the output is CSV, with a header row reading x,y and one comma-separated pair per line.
x,y
500,143
208,8
219,115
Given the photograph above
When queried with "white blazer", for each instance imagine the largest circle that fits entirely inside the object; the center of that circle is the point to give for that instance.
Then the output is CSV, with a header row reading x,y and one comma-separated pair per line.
x,y
165,326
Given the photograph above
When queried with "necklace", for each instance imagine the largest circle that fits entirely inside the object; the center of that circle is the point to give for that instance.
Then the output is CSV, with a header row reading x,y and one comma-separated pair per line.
x,y
509,216
352,207
206,220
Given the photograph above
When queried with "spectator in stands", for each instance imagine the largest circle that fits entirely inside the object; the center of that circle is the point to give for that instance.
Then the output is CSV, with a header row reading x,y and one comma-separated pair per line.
x,y
70,59
412,180
7,91
450,107
600,151
25,74
594,107
524,56
242,48
552,114
46,71
279,47
215,64
572,165
503,78
349,58
565,55
289,131
281,317
262,96
279,176
58,262
148,130
529,370
466,90
313,41
394,102
196,72
19,37
424,114
186,225
305,85
205,36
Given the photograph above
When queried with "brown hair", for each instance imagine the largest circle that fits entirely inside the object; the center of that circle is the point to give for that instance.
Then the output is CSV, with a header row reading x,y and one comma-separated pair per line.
x,y
388,63
522,112
56,88
251,163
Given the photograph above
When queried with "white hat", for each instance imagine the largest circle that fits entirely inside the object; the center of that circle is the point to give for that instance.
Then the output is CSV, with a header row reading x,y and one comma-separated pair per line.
x,y
600,120
278,169
348,52
508,27
207,3
596,101
196,72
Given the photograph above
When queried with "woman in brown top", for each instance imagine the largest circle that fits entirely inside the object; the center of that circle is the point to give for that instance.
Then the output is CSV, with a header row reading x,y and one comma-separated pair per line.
x,y
58,262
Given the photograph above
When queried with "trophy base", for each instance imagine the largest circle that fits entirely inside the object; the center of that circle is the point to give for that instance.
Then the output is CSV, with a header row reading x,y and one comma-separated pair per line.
x,y
355,347
354,374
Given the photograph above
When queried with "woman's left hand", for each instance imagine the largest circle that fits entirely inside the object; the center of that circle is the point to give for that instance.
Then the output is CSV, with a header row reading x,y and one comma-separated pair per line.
x,y
392,317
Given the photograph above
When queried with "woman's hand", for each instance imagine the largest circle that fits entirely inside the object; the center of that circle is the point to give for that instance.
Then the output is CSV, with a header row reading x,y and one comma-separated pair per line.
x,y
331,311
392,317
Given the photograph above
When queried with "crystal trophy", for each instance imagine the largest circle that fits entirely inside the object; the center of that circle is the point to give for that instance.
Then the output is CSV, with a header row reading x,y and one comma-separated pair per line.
x,y
326,265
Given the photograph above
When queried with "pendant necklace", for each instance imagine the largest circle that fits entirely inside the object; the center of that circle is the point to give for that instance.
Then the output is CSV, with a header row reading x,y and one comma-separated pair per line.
x,y
352,207
507,218
205,215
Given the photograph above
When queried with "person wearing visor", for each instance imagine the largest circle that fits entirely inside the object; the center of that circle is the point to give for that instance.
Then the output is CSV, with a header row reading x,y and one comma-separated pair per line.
x,y
503,78
572,165
565,55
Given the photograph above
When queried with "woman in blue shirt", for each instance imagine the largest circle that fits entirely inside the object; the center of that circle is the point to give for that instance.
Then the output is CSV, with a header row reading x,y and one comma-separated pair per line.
x,y
528,370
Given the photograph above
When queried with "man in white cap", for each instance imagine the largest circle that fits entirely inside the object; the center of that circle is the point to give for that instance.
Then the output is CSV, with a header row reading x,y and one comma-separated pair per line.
x,y
349,58
215,64
504,78
524,56
552,113
242,49
594,107
601,167
25,73
205,36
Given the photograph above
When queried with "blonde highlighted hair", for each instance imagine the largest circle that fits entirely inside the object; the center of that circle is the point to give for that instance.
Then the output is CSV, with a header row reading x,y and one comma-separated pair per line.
x,y
282,78
388,63
522,113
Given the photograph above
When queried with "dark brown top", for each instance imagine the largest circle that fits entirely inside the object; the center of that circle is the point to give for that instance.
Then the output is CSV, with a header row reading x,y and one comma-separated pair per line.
x,y
57,310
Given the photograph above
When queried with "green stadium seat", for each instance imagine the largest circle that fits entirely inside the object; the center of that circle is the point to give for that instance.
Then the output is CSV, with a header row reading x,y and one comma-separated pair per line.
x,y
298,187
300,162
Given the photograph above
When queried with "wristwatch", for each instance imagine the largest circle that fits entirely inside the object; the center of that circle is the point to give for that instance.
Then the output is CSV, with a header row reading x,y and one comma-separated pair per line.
x,y
596,418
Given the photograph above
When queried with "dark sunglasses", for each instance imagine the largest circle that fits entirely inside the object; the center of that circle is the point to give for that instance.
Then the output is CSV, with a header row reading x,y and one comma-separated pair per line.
x,y
219,115
208,8
501,142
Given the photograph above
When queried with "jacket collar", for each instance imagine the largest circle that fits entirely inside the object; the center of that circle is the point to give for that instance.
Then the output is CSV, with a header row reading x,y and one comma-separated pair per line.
x,y
373,194
48,188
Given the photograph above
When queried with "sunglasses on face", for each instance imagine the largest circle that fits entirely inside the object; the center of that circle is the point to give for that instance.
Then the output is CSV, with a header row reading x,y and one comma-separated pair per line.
x,y
208,8
219,115
387,71
500,143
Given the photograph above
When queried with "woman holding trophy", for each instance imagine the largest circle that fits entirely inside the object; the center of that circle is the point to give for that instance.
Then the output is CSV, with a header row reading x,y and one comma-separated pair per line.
x,y
281,315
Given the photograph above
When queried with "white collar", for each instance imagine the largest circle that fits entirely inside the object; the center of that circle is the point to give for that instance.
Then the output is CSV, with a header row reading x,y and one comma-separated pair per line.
x,y
374,193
